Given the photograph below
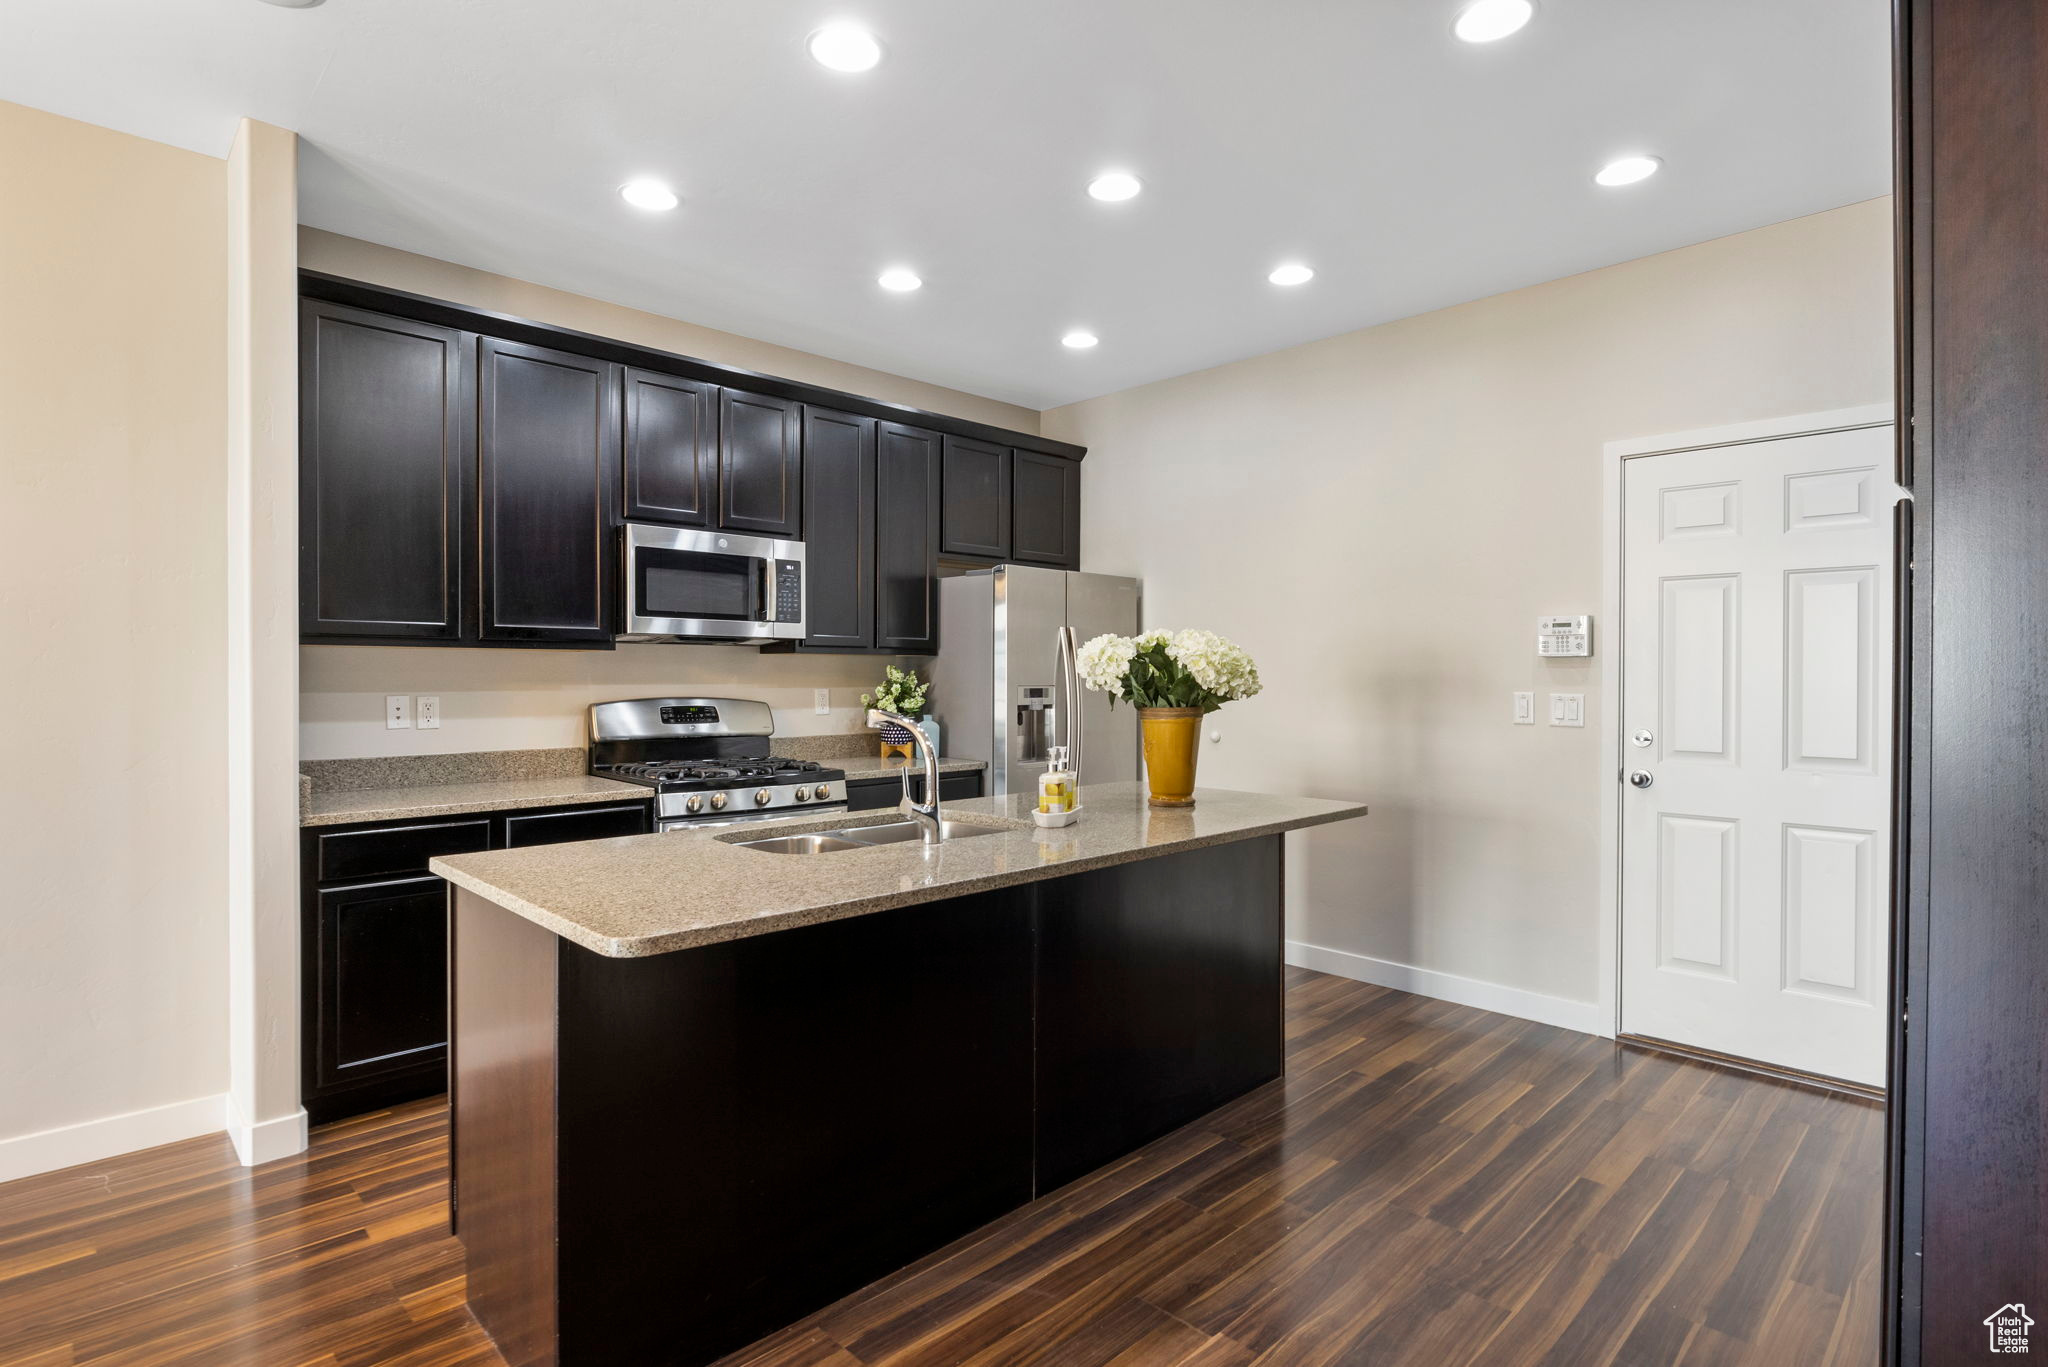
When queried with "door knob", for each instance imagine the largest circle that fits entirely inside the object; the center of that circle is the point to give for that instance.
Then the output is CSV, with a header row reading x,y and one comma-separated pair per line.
x,y
1640,778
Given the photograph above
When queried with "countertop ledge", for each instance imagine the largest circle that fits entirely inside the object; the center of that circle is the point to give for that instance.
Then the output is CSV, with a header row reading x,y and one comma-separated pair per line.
x,y
348,805
452,799
642,895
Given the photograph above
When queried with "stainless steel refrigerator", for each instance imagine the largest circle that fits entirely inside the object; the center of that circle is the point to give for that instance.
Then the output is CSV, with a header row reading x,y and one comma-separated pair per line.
x,y
996,685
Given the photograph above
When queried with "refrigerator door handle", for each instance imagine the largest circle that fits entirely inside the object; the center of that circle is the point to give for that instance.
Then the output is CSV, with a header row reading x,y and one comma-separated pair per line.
x,y
1070,727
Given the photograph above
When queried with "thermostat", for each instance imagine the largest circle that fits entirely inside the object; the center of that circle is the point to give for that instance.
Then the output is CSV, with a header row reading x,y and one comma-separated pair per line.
x,y
1561,636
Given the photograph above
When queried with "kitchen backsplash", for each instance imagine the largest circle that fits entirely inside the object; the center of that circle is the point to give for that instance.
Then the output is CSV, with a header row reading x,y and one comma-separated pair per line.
x,y
536,699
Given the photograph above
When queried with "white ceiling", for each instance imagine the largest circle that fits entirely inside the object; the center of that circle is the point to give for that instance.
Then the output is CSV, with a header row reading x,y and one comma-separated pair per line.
x,y
1413,171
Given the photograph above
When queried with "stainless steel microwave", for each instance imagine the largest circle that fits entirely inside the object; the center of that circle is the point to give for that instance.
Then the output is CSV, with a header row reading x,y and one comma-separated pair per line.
x,y
685,585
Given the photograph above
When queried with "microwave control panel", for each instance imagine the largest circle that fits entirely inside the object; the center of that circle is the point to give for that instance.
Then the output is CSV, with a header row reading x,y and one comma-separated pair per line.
x,y
789,590
1564,636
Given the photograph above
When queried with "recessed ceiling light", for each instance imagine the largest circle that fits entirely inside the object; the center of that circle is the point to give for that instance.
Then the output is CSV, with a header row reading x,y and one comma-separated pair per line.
x,y
1079,339
1628,170
1483,21
1113,186
845,47
898,279
1293,273
648,194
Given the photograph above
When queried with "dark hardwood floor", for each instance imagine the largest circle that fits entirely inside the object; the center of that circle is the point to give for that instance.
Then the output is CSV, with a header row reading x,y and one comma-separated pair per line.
x,y
1430,1185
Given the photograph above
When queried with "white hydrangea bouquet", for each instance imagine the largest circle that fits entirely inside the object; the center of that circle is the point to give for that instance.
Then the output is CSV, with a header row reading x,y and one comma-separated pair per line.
x,y
1174,679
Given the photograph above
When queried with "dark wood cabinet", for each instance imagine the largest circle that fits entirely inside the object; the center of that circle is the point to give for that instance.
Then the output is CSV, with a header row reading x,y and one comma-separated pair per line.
x,y
671,455
976,496
374,941
384,476
873,794
839,530
1045,510
547,448
907,540
760,464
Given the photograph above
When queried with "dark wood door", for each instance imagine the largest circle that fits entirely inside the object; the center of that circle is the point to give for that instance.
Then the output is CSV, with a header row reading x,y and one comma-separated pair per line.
x,y
976,520
380,981
671,449
760,465
907,540
1045,510
839,530
548,449
384,476
1159,998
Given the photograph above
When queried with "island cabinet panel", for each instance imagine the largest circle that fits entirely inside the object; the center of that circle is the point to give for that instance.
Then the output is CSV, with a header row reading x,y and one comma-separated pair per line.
x,y
907,540
839,530
383,476
671,449
547,444
763,1126
976,521
1045,510
1159,999
760,465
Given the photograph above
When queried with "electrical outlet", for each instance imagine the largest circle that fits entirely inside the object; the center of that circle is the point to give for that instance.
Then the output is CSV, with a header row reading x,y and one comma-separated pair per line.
x,y
428,710
821,700
1525,709
397,712
1567,709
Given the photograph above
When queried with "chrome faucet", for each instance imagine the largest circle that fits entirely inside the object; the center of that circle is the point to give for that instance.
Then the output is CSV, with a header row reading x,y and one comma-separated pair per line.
x,y
926,813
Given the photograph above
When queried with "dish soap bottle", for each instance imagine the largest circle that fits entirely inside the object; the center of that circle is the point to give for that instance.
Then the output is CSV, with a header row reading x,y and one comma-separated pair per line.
x,y
1056,793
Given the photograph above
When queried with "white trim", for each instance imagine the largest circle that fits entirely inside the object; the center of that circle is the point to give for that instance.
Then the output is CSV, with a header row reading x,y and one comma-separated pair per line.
x,y
90,1141
266,1140
1613,455
1584,1017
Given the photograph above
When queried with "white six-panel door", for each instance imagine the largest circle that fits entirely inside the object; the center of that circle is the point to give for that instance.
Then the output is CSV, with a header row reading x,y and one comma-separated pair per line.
x,y
1756,697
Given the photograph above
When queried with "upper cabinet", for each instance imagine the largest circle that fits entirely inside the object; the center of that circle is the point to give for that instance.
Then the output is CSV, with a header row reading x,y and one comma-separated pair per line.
x,y
1045,509
384,476
671,449
976,499
547,449
760,466
839,537
907,540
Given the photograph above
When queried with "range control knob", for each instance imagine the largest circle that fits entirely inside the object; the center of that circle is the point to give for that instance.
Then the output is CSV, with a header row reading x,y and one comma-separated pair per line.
x,y
760,797
718,802
695,804
821,792
803,794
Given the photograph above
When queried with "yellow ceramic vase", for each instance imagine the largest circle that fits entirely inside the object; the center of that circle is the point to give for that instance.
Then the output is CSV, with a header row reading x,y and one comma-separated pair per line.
x,y
1171,737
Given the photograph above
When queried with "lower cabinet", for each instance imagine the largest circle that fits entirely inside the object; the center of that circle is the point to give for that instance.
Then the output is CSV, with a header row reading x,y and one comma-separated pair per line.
x,y
374,950
872,794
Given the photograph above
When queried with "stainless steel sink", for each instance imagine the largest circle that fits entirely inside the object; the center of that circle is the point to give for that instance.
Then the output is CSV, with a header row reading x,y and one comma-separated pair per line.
x,y
863,837
898,832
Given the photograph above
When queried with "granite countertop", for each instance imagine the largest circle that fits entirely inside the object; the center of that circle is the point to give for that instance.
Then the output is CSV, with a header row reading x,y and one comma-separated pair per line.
x,y
319,808
650,894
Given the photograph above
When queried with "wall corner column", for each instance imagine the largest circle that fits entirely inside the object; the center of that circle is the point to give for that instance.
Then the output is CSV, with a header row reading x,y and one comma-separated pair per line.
x,y
265,1119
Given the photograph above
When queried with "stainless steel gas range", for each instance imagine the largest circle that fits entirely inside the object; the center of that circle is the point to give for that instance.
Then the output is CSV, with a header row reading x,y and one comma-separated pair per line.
x,y
708,761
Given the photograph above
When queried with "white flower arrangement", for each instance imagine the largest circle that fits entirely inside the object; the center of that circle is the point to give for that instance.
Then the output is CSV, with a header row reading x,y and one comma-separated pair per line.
x,y
1169,669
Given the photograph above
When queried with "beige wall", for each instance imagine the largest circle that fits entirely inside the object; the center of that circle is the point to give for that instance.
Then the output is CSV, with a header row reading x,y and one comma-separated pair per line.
x,y
112,426
337,255
1380,518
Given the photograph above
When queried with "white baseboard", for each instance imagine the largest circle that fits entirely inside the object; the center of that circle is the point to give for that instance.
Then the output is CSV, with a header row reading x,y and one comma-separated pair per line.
x,y
1583,1017
262,1141
69,1145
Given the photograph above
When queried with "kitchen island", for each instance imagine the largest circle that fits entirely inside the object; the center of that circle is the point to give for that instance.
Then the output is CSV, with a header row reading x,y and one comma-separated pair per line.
x,y
703,1087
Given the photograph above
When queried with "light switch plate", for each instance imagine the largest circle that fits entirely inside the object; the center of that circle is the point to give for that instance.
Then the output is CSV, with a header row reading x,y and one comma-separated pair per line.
x,y
1567,709
1525,709
397,712
427,709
